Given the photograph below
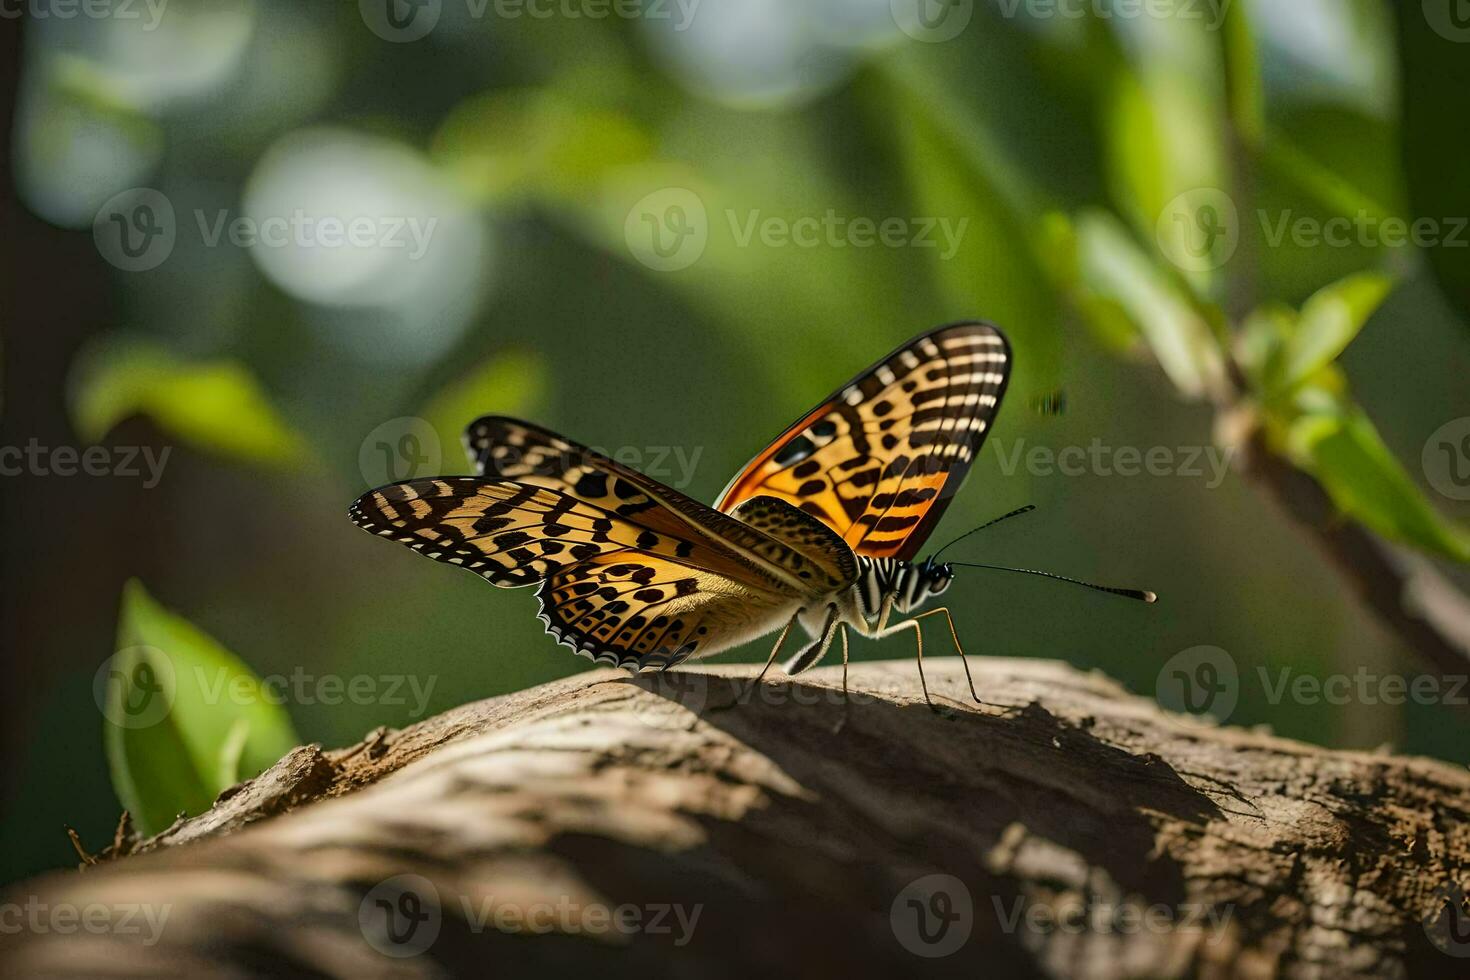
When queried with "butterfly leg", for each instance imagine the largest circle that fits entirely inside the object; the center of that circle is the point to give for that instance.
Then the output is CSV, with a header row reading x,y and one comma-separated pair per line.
x,y
775,650
912,624
954,634
846,700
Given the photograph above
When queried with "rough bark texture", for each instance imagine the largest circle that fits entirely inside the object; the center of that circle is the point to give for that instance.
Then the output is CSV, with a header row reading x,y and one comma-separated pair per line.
x,y
1091,835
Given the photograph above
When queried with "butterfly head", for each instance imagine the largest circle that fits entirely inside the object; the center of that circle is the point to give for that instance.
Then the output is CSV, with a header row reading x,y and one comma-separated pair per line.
x,y
915,585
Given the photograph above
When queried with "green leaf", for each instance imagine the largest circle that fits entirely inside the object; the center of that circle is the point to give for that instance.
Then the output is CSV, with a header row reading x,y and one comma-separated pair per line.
x,y
217,406
1114,268
1345,452
510,383
1329,321
184,718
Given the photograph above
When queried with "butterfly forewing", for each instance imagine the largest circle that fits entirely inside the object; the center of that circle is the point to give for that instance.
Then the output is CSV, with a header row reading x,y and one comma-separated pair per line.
x,y
879,460
612,588
514,450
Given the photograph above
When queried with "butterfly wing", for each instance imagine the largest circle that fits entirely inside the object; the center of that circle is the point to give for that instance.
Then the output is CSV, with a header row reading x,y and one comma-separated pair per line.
x,y
879,460
612,588
637,610
511,449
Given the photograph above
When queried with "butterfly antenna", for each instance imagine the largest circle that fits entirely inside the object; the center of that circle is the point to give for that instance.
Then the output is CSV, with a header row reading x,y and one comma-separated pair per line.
x,y
1142,595
1015,513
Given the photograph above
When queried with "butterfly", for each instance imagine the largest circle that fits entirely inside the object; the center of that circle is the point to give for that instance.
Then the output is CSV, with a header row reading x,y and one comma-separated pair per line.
x,y
821,528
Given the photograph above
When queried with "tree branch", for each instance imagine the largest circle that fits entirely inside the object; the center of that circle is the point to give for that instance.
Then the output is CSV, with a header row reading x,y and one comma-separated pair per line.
x,y
624,826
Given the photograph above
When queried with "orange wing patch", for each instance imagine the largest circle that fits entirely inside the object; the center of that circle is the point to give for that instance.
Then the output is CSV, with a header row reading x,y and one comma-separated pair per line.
x,y
879,460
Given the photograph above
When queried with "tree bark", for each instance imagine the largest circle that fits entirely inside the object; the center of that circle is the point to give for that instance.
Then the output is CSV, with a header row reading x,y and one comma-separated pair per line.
x,y
640,827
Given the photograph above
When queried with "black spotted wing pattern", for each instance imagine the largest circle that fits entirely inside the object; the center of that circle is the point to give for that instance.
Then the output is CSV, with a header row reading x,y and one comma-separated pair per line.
x,y
879,460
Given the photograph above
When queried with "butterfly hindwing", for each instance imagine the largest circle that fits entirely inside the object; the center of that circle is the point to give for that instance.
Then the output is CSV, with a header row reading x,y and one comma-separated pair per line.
x,y
879,460
637,611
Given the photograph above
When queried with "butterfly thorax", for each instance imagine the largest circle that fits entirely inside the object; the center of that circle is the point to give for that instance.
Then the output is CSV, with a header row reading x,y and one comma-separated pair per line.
x,y
907,585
